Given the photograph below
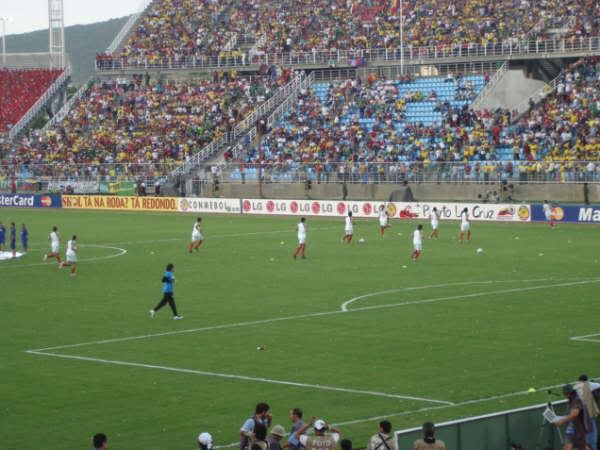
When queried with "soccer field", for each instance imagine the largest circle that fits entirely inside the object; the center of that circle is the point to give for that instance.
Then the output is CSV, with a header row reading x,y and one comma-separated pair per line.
x,y
351,334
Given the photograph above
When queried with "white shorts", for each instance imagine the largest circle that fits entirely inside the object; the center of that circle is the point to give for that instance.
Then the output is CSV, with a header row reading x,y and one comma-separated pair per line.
x,y
71,257
434,225
548,216
464,227
55,248
418,246
383,223
197,237
348,231
301,240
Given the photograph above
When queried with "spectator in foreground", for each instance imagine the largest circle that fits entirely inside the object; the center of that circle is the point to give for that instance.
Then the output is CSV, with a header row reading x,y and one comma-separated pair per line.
x,y
262,416
274,439
578,421
205,441
429,442
346,444
585,389
382,440
296,417
320,441
100,441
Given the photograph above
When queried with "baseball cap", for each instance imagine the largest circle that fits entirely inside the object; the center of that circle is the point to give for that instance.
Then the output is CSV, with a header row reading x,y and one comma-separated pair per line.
x,y
205,439
278,430
320,425
568,388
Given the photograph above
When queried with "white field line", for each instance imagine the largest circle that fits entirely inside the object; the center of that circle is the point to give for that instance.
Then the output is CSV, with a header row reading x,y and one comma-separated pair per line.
x,y
240,377
309,315
120,252
586,338
344,306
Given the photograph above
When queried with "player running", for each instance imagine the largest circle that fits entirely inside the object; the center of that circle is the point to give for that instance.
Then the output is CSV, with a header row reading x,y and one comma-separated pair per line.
x,y
54,239
71,256
24,238
417,242
197,237
434,217
548,213
348,228
465,226
301,229
383,219
2,236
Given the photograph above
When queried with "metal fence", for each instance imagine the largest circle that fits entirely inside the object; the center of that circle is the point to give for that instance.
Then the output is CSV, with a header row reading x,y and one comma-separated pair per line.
x,y
351,58
488,172
33,61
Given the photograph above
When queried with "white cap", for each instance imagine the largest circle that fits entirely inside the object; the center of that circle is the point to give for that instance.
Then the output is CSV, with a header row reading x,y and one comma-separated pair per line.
x,y
205,439
320,425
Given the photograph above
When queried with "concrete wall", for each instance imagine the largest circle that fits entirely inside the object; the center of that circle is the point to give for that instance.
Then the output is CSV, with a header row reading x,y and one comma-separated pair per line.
x,y
421,191
511,90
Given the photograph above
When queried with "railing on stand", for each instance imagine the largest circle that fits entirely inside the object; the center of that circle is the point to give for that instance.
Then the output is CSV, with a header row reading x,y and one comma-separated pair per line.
x,y
240,129
302,83
62,112
538,95
483,94
412,55
40,103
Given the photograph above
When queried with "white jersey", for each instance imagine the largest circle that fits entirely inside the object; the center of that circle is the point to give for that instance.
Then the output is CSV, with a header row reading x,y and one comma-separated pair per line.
x,y
196,234
72,251
417,240
383,218
547,211
54,241
301,228
348,227
434,219
464,221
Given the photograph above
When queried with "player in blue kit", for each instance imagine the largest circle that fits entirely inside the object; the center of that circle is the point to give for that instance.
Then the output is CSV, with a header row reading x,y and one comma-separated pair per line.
x,y
2,236
13,239
168,280
24,238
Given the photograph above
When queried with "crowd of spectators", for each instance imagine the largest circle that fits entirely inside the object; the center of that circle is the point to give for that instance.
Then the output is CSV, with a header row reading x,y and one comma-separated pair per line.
x,y
19,90
173,30
139,127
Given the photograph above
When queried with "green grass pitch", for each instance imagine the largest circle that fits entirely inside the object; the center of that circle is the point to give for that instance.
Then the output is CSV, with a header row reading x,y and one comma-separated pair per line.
x,y
434,341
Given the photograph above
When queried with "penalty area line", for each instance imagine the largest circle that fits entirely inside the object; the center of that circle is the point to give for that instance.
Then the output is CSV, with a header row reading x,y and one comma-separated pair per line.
x,y
587,338
240,377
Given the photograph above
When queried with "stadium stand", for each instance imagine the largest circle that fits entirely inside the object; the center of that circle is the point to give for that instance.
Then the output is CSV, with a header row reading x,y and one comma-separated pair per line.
x,y
19,90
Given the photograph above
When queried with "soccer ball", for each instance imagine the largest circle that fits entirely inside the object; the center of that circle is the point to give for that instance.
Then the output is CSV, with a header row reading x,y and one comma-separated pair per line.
x,y
361,240
479,250
282,242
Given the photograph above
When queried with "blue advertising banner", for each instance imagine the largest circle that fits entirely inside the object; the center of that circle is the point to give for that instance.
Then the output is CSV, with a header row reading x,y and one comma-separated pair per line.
x,y
30,201
568,213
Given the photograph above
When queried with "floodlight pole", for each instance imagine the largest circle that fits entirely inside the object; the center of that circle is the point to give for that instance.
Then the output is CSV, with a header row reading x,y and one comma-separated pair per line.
x,y
401,37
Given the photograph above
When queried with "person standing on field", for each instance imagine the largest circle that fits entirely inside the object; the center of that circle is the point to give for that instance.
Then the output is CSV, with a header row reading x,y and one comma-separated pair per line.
x,y
71,256
348,228
435,223
548,213
24,238
301,229
261,416
197,237
13,239
2,236
465,226
383,220
168,280
417,242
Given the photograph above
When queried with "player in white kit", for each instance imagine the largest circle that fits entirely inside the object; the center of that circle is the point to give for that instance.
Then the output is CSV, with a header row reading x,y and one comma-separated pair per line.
x,y
465,226
348,228
71,256
434,217
548,213
54,239
197,237
301,230
417,242
383,219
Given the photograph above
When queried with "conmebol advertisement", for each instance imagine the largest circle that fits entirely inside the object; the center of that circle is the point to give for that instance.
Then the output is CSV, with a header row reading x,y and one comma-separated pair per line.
x,y
396,210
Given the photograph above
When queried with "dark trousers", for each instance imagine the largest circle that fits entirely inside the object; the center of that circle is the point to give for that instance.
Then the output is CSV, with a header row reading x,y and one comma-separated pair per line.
x,y
167,298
